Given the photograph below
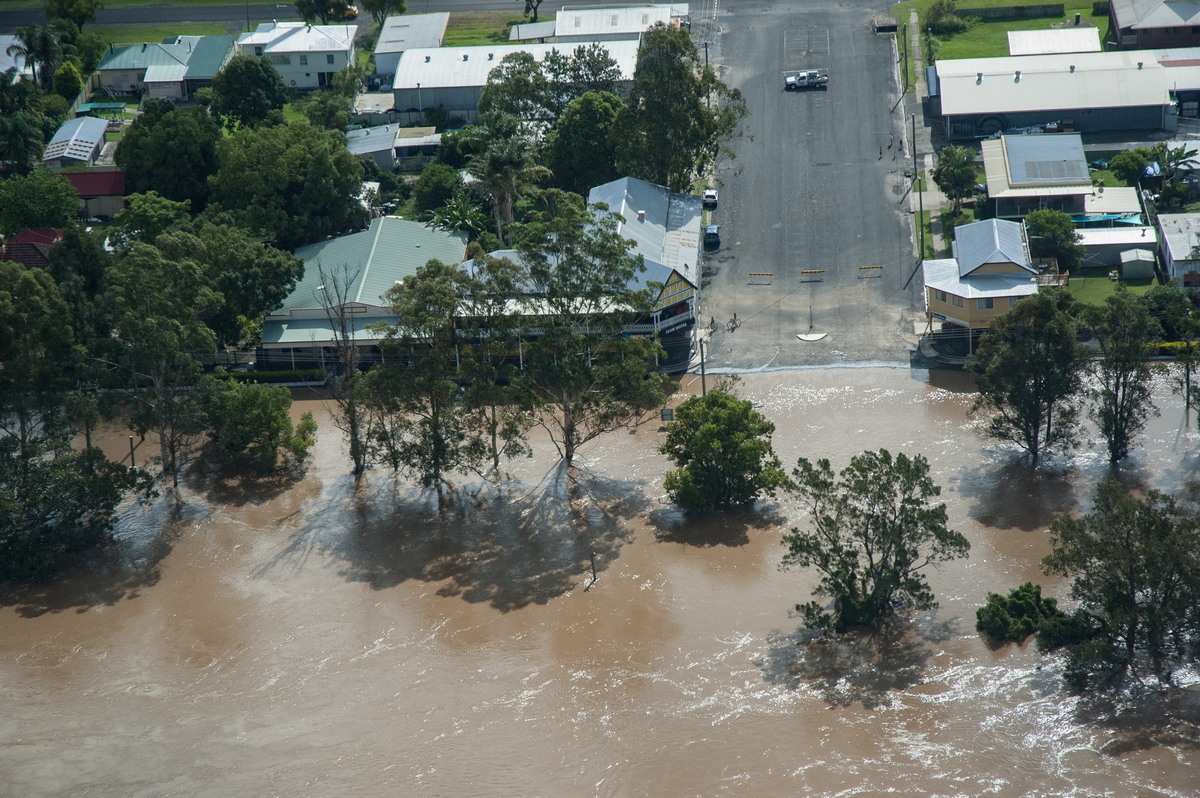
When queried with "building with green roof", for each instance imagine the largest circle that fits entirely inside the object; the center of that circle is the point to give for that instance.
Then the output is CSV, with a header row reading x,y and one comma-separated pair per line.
x,y
350,275
172,69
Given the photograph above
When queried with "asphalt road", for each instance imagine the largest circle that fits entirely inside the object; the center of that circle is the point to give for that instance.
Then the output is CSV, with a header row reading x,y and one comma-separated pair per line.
x,y
808,191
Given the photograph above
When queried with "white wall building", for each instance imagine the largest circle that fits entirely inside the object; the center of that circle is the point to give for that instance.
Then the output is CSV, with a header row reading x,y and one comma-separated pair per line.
x,y
453,77
306,56
405,33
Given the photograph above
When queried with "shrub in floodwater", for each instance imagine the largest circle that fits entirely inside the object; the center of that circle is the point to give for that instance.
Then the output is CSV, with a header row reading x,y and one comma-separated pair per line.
x,y
1018,615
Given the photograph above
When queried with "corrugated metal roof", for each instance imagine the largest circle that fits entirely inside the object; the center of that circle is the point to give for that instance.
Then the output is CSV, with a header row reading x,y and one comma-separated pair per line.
x,y
1164,14
1065,81
77,138
995,167
390,250
371,139
412,30
209,55
1057,40
449,67
1122,199
1180,233
298,37
943,275
165,73
1045,159
608,20
668,236
989,241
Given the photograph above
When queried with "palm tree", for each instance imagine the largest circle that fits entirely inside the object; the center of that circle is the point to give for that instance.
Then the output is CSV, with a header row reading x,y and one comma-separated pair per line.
x,y
42,50
506,170
21,139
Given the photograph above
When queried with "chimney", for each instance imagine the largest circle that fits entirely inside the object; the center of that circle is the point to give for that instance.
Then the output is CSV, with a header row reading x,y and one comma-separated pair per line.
x,y
491,56
427,59
641,216
1139,64
1017,77
464,56
1072,69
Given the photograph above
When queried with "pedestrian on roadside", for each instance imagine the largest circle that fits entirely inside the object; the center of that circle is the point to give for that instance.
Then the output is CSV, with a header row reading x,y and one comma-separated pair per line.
x,y
891,140
881,153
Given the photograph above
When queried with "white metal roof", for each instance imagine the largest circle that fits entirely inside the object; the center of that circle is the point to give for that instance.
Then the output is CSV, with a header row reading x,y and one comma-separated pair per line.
x,y
371,139
76,138
942,275
1056,40
531,30
599,20
297,37
165,73
412,30
1180,233
997,169
1062,81
1122,199
1117,236
450,67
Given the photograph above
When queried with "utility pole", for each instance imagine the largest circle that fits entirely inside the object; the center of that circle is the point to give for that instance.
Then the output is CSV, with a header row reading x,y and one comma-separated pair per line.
x,y
707,94
703,384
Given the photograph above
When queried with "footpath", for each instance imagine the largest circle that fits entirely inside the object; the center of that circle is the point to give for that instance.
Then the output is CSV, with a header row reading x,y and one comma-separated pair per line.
x,y
931,200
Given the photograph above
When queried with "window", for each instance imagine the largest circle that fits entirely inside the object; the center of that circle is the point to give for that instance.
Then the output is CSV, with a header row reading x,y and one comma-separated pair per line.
x,y
940,296
303,60
956,301
281,60
985,304
258,52
1012,301
329,58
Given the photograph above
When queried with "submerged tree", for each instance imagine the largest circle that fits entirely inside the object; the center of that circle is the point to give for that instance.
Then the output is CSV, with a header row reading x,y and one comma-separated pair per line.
x,y
586,376
430,434
722,446
1030,369
874,529
336,290
1123,400
1135,571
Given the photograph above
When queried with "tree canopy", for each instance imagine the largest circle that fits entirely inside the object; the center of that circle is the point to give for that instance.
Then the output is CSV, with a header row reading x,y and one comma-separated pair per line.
x,y
873,530
246,91
1134,566
382,9
955,173
77,12
170,151
679,118
722,447
39,199
580,150
587,377
1030,368
294,183
1122,396
1052,235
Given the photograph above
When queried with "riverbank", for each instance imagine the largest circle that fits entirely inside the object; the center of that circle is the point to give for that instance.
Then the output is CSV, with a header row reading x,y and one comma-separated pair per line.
x,y
310,636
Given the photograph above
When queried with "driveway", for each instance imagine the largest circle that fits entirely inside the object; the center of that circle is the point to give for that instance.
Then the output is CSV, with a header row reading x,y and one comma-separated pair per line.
x,y
809,192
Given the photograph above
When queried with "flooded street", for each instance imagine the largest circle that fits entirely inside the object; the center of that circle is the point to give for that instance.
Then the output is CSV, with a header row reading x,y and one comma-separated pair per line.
x,y
304,638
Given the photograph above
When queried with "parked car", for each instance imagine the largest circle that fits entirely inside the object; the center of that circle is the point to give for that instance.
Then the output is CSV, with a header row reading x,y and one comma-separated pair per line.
x,y
712,236
710,198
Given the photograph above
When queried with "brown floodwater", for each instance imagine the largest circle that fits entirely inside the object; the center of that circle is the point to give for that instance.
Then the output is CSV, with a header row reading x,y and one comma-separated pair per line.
x,y
309,638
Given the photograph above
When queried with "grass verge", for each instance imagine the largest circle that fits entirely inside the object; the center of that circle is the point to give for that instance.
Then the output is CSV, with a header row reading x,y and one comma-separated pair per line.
x,y
471,28
155,32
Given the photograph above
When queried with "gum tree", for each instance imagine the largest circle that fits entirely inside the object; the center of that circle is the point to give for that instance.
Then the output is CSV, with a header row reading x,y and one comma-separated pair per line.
x,y
873,530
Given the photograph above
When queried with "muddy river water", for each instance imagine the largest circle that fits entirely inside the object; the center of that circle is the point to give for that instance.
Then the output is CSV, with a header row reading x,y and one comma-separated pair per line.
x,y
307,638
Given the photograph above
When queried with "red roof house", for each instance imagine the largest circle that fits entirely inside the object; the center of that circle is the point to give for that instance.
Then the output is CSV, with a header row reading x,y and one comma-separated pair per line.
x,y
31,248
100,193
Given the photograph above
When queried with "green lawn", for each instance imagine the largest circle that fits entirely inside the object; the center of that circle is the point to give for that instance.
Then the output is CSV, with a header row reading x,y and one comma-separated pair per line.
x,y
469,28
990,39
1092,286
156,32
